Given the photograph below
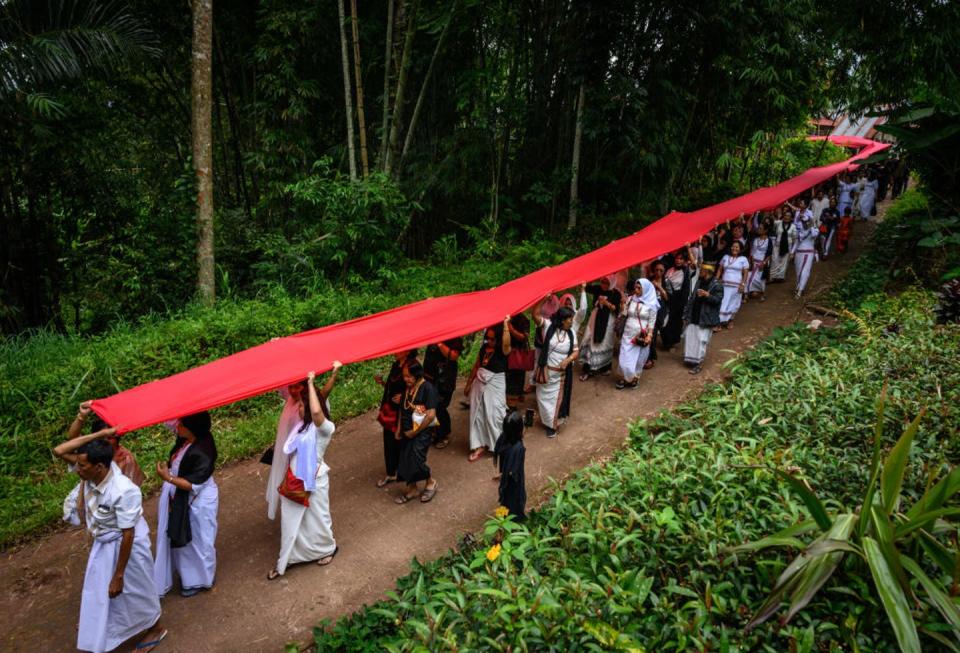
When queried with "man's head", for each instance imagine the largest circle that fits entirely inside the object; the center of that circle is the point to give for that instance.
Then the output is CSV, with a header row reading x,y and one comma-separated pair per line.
x,y
706,272
93,460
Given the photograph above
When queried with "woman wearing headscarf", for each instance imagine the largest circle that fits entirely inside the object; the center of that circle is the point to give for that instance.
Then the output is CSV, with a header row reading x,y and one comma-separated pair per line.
x,y
389,414
656,274
677,282
733,272
640,312
599,339
306,527
187,510
486,387
558,353
290,415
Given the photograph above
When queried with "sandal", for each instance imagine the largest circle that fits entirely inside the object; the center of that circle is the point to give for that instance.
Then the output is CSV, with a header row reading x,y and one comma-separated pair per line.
x,y
428,493
649,364
273,575
403,498
475,455
441,444
328,558
149,646
584,376
386,480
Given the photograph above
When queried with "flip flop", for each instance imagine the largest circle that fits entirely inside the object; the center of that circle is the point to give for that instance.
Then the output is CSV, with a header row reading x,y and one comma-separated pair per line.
x,y
403,498
328,558
441,444
475,455
383,482
149,646
273,574
428,493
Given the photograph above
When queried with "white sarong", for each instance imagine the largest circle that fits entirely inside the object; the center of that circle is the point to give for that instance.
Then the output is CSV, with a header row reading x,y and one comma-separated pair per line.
x,y
598,355
632,359
106,623
550,390
306,533
695,341
803,263
195,563
488,407
755,282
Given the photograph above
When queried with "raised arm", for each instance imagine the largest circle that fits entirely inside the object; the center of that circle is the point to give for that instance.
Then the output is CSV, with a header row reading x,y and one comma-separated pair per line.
x,y
65,450
505,340
328,386
316,412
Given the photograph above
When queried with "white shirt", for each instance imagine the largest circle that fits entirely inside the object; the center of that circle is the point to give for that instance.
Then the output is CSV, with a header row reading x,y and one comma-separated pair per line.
x,y
112,505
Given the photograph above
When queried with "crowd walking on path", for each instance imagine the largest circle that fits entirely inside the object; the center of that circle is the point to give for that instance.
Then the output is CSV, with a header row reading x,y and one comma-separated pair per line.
x,y
606,326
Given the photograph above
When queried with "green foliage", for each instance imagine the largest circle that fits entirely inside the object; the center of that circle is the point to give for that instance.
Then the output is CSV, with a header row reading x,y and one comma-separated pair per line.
x,y
629,554
875,533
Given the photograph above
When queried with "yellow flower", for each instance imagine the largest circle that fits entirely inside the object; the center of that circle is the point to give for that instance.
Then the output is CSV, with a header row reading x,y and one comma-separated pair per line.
x,y
501,512
493,553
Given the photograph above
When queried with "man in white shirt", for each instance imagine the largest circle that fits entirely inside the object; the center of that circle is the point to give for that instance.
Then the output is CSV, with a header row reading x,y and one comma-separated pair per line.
x,y
119,597
817,206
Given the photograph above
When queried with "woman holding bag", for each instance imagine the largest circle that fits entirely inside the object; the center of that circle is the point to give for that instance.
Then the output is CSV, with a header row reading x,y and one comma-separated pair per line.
x,y
389,414
306,528
418,414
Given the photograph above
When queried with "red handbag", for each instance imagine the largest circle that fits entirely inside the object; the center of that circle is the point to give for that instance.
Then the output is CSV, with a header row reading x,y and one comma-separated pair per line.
x,y
521,359
292,488
388,416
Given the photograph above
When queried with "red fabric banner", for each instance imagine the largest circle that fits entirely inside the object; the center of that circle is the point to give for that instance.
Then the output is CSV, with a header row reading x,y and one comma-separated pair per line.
x,y
286,360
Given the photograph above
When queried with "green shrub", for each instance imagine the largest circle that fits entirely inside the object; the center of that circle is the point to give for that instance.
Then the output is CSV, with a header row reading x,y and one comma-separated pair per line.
x,y
629,555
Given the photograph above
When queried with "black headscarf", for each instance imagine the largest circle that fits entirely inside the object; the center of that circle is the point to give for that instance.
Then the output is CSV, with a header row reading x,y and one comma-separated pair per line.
x,y
556,322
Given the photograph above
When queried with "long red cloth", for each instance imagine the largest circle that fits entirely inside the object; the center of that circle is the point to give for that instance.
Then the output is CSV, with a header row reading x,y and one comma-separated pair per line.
x,y
286,360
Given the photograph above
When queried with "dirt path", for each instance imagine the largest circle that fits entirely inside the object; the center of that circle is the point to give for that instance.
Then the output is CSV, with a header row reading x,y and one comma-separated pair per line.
x,y
41,581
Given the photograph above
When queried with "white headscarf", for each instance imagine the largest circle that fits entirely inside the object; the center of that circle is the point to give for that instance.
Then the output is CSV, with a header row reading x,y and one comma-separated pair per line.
x,y
649,297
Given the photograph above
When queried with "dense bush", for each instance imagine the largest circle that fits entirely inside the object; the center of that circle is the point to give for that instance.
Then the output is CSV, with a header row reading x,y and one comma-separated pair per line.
x,y
629,554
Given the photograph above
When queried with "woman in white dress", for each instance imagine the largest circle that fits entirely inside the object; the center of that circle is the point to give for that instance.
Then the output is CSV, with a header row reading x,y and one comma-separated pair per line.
x,y
289,416
761,251
867,197
599,339
187,510
734,269
306,528
640,310
558,353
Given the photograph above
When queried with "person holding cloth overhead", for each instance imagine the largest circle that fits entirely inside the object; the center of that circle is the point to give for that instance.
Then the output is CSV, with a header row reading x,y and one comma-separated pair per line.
x,y
487,389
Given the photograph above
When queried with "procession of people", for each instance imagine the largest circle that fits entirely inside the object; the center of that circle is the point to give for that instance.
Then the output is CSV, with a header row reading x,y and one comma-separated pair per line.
x,y
608,325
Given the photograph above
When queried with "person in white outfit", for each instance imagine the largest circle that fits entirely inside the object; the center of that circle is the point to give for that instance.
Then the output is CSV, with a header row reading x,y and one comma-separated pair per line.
x,y
559,351
119,598
187,510
640,313
289,416
306,527
733,272
784,243
805,254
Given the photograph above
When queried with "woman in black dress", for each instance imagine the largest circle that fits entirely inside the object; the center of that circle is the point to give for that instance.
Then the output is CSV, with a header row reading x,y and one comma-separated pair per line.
x,y
509,456
389,415
418,414
677,282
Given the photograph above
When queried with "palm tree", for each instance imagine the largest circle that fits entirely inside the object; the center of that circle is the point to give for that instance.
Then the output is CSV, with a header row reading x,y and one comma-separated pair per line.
x,y
43,43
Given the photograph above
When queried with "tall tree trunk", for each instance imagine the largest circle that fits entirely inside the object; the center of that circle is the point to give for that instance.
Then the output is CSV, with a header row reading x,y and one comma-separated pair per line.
x,y
401,86
347,95
423,89
575,164
386,88
201,109
362,121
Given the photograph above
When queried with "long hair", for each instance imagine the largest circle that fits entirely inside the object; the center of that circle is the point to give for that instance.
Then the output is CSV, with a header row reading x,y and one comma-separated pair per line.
x,y
556,322
510,434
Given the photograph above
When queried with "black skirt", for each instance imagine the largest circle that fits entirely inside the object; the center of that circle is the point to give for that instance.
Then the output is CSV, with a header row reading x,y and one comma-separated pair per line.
x,y
413,457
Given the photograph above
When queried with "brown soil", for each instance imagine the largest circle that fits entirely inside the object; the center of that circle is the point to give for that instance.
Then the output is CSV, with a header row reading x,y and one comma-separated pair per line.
x,y
377,539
